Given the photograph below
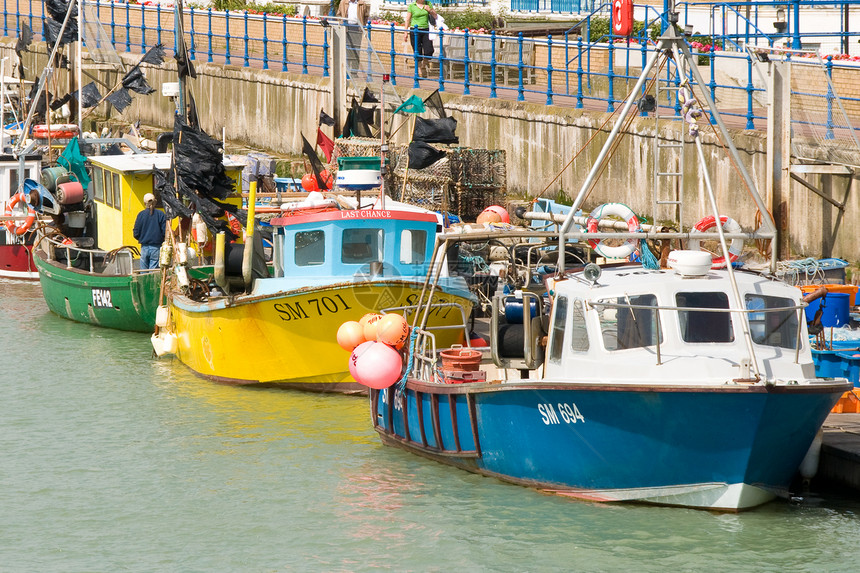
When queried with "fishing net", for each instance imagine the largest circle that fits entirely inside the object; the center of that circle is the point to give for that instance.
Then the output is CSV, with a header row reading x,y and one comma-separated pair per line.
x,y
821,127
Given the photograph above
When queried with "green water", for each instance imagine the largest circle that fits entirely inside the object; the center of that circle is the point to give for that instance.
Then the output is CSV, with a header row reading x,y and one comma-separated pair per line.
x,y
111,460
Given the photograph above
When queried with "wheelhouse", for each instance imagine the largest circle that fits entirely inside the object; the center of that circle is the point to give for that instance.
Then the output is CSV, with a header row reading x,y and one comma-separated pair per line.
x,y
369,242
631,328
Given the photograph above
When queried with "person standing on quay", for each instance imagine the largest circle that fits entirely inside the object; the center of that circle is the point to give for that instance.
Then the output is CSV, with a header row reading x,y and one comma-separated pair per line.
x,y
149,231
419,14
357,14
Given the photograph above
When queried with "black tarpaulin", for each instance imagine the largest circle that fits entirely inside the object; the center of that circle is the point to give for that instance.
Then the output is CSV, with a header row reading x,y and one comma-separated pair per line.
x,y
200,161
52,32
435,130
135,81
120,99
422,155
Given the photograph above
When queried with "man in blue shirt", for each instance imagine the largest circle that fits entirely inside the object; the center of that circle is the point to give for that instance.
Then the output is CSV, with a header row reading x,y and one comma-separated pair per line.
x,y
149,230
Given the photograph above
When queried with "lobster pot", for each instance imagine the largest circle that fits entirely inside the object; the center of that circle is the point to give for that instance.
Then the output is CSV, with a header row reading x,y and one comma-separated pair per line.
x,y
464,182
354,147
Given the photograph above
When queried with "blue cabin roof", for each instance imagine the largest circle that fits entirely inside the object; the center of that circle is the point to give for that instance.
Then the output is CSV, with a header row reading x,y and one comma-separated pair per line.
x,y
339,244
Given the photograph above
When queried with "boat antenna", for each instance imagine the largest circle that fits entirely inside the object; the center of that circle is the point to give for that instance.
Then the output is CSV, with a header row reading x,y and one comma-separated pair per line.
x,y
383,144
179,44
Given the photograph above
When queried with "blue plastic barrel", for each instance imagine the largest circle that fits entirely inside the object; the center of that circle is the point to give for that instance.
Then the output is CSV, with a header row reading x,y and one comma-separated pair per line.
x,y
837,309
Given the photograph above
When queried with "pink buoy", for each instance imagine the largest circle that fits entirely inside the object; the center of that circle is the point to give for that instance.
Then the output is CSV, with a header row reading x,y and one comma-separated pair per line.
x,y
349,335
70,193
353,358
377,366
370,326
392,329
494,214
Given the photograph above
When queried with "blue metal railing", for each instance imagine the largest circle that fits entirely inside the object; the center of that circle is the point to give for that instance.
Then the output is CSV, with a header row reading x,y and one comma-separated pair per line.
x,y
567,69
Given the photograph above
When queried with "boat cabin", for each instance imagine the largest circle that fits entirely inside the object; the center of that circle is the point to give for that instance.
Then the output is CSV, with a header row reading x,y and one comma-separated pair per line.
x,y
633,325
314,245
119,183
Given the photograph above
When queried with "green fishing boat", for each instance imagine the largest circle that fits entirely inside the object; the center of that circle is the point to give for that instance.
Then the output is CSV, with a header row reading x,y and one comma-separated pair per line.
x,y
96,278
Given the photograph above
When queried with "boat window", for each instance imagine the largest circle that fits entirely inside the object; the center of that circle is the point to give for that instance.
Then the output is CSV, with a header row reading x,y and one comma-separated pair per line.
x,y
108,184
623,327
310,248
413,247
701,325
578,332
98,184
362,245
117,191
776,328
559,320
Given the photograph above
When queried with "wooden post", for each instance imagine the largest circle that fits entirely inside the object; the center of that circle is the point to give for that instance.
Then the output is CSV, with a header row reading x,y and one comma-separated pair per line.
x,y
778,176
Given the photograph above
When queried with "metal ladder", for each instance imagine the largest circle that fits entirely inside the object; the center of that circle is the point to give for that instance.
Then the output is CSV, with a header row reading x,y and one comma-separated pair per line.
x,y
668,185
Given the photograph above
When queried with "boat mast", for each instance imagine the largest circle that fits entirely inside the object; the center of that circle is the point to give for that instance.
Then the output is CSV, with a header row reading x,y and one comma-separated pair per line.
x,y
179,44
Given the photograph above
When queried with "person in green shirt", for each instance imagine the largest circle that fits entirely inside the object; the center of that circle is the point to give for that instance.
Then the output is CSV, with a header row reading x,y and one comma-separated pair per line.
x,y
418,15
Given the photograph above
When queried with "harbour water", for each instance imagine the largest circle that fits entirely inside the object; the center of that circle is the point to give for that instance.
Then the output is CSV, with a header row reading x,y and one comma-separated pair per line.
x,y
111,460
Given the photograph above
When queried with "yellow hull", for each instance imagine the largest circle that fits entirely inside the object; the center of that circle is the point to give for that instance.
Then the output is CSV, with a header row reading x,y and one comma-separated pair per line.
x,y
290,338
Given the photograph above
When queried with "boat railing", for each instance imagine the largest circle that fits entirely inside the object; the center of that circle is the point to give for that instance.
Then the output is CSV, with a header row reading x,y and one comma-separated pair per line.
x,y
436,309
746,312
532,332
116,262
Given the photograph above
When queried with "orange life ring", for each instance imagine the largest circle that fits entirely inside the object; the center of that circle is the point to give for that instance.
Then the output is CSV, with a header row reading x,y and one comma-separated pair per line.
x,y
57,131
14,226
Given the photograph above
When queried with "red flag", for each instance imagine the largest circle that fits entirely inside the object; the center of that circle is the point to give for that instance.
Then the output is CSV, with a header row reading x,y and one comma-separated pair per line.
x,y
326,144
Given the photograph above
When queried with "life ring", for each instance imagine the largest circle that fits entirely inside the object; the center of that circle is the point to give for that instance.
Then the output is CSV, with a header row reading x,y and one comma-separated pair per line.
x,y
57,131
729,225
619,210
16,227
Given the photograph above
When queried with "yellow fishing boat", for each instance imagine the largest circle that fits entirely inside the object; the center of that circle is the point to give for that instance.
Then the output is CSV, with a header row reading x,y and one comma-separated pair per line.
x,y
331,264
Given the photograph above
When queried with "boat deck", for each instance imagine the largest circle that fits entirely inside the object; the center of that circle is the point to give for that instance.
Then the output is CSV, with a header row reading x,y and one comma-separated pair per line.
x,y
840,451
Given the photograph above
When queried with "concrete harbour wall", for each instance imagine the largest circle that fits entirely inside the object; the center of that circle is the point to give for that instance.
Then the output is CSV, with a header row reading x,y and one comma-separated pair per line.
x,y
268,110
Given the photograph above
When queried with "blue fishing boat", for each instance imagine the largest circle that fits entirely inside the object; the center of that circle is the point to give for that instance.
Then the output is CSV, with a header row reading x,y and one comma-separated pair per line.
x,y
644,391
686,383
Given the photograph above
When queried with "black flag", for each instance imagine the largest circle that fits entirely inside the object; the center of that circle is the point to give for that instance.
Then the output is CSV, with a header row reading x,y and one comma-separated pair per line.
x,y
326,119
422,155
120,99
184,65
316,164
154,56
435,130
434,102
368,97
136,81
90,95
24,39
